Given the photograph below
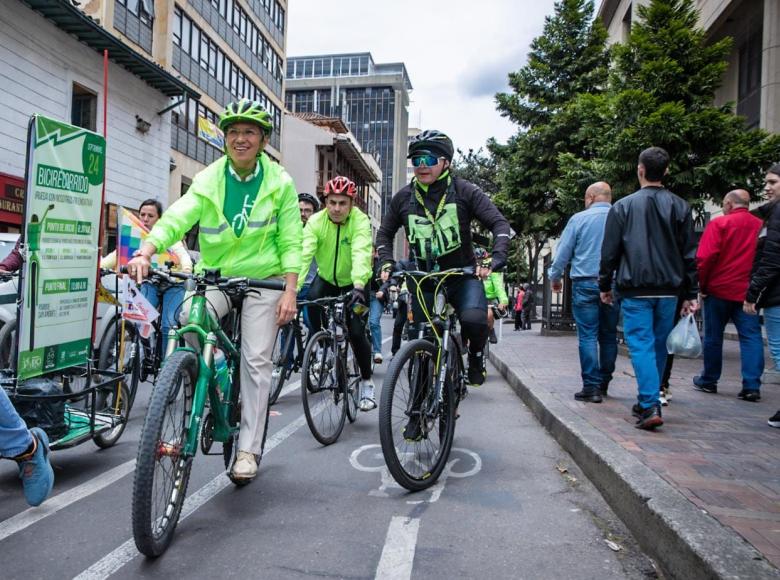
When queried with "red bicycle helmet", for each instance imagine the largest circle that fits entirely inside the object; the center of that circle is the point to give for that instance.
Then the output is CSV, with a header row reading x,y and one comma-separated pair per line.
x,y
341,185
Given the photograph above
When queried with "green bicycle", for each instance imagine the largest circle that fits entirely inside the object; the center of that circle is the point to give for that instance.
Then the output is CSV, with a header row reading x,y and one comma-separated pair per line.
x,y
174,423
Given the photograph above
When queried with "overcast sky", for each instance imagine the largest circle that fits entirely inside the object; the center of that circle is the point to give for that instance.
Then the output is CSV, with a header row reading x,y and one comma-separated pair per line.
x,y
457,52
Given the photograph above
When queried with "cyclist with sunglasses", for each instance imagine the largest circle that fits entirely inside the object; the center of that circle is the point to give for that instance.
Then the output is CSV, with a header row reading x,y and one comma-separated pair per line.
x,y
249,222
436,210
339,238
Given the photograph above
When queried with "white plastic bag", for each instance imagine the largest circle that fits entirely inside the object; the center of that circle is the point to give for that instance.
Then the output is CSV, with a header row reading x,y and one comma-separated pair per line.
x,y
684,340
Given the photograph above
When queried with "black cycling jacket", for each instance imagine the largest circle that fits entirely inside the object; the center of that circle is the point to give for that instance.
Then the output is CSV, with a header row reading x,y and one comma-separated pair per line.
x,y
471,202
764,289
649,240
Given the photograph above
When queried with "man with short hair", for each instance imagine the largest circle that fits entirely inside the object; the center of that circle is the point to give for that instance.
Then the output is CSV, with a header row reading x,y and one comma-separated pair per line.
x,y
596,321
725,258
649,242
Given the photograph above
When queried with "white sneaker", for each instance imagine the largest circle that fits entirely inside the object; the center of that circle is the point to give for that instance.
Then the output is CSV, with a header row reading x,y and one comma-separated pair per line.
x,y
664,400
367,402
245,466
378,358
771,376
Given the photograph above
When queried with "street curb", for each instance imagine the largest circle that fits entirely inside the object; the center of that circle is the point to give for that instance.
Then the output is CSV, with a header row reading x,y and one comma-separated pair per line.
x,y
685,541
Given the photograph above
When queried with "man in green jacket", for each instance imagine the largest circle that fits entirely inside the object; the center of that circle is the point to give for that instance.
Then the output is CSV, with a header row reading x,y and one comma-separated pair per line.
x,y
339,238
250,225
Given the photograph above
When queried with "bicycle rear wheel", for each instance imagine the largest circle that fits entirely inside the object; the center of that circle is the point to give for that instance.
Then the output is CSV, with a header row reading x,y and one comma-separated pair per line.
x,y
162,471
279,359
7,343
114,401
353,386
323,394
416,444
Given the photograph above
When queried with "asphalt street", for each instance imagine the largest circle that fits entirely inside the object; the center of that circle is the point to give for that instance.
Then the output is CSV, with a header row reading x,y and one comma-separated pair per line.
x,y
512,505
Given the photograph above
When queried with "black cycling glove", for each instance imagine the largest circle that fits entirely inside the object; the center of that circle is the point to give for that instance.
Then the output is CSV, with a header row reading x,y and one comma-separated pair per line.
x,y
358,296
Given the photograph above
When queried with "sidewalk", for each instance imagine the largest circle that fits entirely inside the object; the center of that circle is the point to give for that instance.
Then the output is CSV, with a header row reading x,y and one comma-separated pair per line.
x,y
718,460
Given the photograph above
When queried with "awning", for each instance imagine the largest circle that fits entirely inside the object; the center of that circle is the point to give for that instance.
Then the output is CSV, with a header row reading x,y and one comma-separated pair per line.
x,y
348,151
73,21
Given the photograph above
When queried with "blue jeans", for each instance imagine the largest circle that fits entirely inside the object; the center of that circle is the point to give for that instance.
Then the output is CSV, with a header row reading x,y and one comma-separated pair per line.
x,y
15,438
647,323
374,319
597,333
717,313
172,299
772,324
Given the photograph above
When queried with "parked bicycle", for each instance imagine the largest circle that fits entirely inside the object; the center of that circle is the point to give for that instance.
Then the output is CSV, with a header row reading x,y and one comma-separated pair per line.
x,y
175,417
330,377
422,388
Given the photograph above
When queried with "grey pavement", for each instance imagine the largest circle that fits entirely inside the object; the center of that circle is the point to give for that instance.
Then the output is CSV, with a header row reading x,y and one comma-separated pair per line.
x,y
515,505
702,494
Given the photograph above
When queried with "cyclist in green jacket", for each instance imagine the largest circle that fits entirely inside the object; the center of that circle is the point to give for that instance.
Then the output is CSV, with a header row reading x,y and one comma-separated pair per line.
x,y
250,225
339,238
494,291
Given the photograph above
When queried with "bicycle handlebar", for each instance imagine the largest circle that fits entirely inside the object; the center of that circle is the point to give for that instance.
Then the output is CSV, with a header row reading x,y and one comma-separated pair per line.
x,y
467,271
218,281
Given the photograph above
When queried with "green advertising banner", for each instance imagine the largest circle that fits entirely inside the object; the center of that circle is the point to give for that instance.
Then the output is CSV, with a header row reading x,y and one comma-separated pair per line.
x,y
65,175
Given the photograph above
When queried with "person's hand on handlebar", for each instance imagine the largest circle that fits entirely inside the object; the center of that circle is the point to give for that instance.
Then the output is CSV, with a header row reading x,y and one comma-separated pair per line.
x,y
139,266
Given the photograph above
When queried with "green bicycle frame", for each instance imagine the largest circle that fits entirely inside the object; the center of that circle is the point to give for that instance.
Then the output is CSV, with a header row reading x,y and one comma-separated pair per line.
x,y
209,332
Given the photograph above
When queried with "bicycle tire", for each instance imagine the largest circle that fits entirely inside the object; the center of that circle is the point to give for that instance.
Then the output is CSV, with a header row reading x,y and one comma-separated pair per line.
x,y
353,387
106,402
153,530
280,372
415,465
323,395
107,358
7,339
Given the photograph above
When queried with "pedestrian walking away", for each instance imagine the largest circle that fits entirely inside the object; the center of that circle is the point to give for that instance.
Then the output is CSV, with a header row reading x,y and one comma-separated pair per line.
x,y
725,258
518,309
649,254
596,321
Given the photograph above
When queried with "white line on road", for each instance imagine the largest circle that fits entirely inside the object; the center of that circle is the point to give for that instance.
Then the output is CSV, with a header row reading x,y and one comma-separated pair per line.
x,y
29,516
112,562
398,553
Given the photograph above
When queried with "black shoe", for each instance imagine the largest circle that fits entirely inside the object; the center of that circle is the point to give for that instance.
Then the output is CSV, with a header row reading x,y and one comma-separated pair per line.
x,y
588,397
774,420
413,430
477,373
492,337
751,396
636,410
711,389
650,418
603,389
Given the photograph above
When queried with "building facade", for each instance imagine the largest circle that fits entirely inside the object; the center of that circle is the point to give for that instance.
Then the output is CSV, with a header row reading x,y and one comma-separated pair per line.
x,y
317,148
372,99
222,49
51,63
752,79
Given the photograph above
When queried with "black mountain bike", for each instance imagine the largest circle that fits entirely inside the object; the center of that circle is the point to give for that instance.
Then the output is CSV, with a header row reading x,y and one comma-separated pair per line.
x,y
288,338
422,389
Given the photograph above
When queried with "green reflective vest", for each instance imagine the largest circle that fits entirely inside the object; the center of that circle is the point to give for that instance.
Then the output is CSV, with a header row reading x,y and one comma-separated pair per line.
x,y
269,245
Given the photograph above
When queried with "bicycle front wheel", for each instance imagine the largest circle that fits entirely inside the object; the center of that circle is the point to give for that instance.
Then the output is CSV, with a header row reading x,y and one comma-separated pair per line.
x,y
416,432
352,378
162,471
130,348
323,393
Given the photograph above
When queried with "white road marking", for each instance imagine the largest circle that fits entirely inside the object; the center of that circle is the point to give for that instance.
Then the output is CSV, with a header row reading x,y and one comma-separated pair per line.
x,y
398,553
30,516
112,562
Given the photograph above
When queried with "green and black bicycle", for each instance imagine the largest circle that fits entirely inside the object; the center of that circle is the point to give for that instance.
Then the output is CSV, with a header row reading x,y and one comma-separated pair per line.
x,y
175,420
423,386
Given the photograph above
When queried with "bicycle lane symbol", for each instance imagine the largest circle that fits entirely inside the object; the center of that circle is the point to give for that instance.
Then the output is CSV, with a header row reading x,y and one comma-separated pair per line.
x,y
459,458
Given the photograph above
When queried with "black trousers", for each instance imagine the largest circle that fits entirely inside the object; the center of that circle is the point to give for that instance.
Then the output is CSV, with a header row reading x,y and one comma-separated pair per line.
x,y
467,296
356,325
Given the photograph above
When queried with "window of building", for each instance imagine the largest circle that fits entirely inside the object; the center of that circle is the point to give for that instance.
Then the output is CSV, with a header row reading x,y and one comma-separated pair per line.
x,y
83,108
749,87
626,24
134,19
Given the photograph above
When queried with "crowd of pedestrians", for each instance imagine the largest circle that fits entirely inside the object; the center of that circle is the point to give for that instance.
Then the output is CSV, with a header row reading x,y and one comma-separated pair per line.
x,y
639,257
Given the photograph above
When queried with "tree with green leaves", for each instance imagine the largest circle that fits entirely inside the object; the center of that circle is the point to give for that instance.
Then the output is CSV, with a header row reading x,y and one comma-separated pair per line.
x,y
569,58
660,92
